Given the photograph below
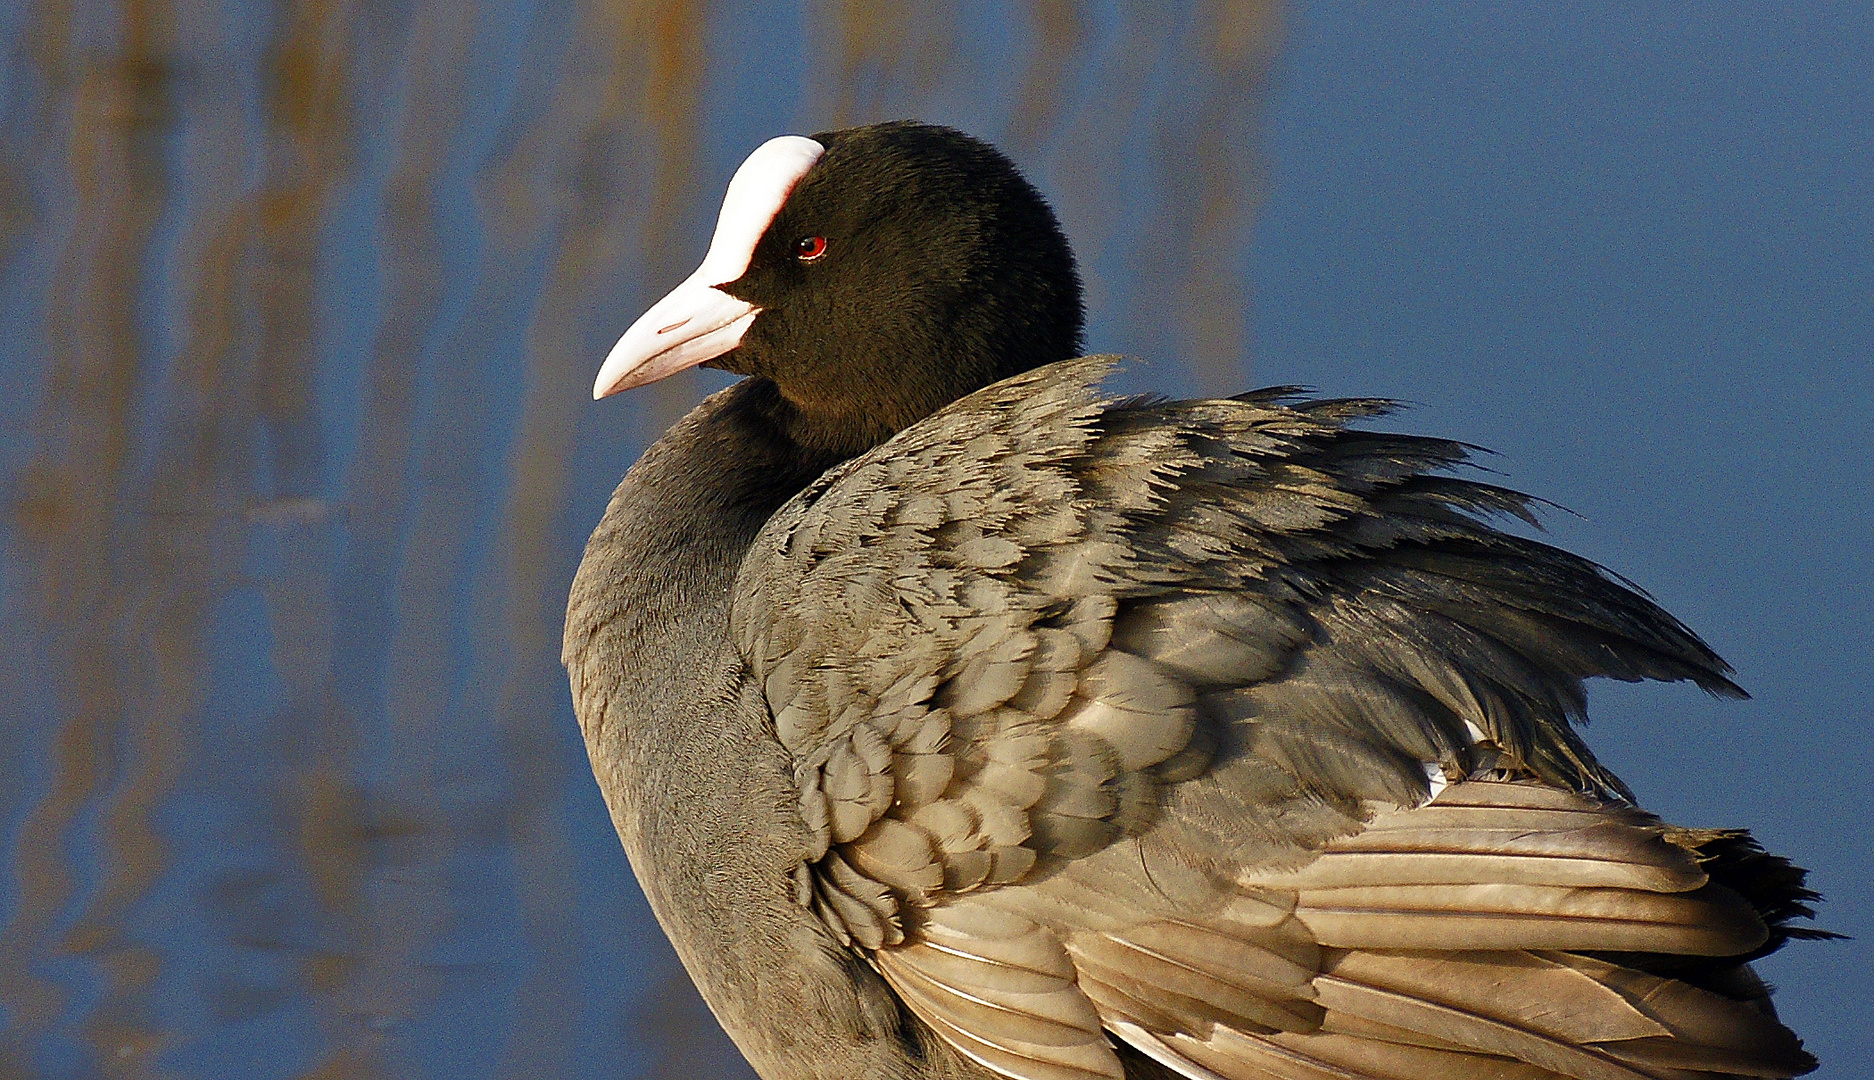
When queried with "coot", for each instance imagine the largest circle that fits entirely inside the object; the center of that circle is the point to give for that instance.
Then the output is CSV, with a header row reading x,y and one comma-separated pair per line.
x,y
961,720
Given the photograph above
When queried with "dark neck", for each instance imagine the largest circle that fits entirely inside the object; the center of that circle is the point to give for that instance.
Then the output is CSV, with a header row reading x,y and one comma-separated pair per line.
x,y
678,525
841,400
649,610
684,750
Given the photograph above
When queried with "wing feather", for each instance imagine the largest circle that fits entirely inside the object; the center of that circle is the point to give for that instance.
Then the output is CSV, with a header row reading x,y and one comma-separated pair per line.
x,y
1126,717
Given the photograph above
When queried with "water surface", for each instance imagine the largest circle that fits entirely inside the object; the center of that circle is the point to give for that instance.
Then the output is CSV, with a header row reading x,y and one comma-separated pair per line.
x,y
299,308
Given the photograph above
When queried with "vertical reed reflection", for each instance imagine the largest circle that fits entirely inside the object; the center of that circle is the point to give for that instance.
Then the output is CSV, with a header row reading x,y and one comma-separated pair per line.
x,y
411,516
306,69
664,40
561,178
1046,92
316,290
886,57
629,173
98,580
1210,207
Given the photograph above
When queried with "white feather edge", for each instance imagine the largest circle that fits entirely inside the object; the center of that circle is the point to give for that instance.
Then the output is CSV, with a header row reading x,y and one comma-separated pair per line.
x,y
1155,1048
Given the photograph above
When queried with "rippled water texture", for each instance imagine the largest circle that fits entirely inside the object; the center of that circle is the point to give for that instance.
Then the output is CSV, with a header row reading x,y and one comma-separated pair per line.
x,y
299,308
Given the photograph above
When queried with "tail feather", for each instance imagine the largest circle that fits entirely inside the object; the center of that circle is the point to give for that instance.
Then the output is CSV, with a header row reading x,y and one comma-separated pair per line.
x,y
1345,1057
1486,1006
1504,931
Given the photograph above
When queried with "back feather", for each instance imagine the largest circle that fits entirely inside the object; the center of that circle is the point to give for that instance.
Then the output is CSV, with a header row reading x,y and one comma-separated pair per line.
x,y
1129,724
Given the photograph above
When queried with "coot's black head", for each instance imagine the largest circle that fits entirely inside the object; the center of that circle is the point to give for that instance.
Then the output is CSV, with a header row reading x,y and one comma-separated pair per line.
x,y
874,275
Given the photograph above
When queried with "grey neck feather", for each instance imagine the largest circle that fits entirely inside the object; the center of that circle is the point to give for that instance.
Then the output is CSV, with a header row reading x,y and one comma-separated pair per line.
x,y
684,751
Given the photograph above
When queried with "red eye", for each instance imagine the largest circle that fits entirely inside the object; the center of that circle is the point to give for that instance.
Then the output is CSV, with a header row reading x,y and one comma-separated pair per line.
x,y
809,248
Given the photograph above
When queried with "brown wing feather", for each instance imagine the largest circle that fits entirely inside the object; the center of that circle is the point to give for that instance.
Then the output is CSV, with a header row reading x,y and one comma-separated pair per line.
x,y
1125,716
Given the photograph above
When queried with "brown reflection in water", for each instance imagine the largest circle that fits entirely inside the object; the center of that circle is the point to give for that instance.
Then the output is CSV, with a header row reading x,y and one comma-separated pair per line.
x,y
409,510
1045,97
558,179
623,190
1190,84
16,207
888,56
310,149
136,541
96,586
307,70
163,458
665,41
1215,205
